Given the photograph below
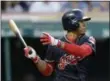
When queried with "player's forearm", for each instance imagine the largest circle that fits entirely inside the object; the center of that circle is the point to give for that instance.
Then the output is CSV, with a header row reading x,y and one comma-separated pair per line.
x,y
83,50
41,65
45,68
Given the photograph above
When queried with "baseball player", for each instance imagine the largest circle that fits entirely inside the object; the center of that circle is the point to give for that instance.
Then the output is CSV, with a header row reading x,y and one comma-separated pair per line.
x,y
70,55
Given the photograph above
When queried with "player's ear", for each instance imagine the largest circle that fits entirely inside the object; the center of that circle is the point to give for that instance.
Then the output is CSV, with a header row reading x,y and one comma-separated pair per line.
x,y
80,23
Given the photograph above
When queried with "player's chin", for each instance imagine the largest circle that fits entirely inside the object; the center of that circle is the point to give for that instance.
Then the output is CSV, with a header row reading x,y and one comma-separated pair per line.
x,y
83,32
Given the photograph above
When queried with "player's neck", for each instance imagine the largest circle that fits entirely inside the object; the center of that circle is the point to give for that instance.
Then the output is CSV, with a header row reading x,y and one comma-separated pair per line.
x,y
71,36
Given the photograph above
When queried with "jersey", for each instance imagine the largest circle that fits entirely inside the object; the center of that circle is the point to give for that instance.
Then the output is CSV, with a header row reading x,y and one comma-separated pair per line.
x,y
69,67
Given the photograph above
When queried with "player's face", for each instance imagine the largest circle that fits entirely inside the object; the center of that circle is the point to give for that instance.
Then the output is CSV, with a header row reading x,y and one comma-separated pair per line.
x,y
82,28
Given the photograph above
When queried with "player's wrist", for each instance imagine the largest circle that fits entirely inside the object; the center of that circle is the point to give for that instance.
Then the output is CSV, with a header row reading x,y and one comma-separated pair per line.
x,y
56,42
60,44
36,59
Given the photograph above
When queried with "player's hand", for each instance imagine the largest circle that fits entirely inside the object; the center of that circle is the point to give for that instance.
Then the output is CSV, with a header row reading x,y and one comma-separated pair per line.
x,y
47,39
31,54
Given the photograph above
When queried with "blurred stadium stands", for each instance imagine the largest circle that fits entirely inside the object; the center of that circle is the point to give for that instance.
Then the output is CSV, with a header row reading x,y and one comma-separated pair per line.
x,y
35,17
27,6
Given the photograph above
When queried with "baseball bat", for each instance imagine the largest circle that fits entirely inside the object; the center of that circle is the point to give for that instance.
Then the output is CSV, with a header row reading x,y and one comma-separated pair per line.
x,y
16,31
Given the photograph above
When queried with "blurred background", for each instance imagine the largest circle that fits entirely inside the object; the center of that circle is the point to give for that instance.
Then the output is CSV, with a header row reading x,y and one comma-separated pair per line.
x,y
33,18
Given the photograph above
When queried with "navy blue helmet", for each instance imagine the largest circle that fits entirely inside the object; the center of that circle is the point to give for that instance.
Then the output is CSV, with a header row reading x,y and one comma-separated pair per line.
x,y
70,19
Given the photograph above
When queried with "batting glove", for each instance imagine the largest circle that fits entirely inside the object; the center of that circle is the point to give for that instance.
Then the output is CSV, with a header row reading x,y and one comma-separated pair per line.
x,y
47,39
31,54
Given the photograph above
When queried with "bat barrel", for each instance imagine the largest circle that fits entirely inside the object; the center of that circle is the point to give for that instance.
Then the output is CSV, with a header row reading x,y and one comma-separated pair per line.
x,y
16,31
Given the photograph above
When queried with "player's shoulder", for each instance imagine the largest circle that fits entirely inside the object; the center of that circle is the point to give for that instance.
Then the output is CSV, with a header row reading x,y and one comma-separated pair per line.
x,y
90,39
87,37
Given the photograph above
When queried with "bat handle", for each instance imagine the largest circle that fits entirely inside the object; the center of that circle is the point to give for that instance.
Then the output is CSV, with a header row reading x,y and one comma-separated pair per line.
x,y
21,38
25,44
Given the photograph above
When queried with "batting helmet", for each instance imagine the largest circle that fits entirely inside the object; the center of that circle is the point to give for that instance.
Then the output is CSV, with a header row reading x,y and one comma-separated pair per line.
x,y
70,19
